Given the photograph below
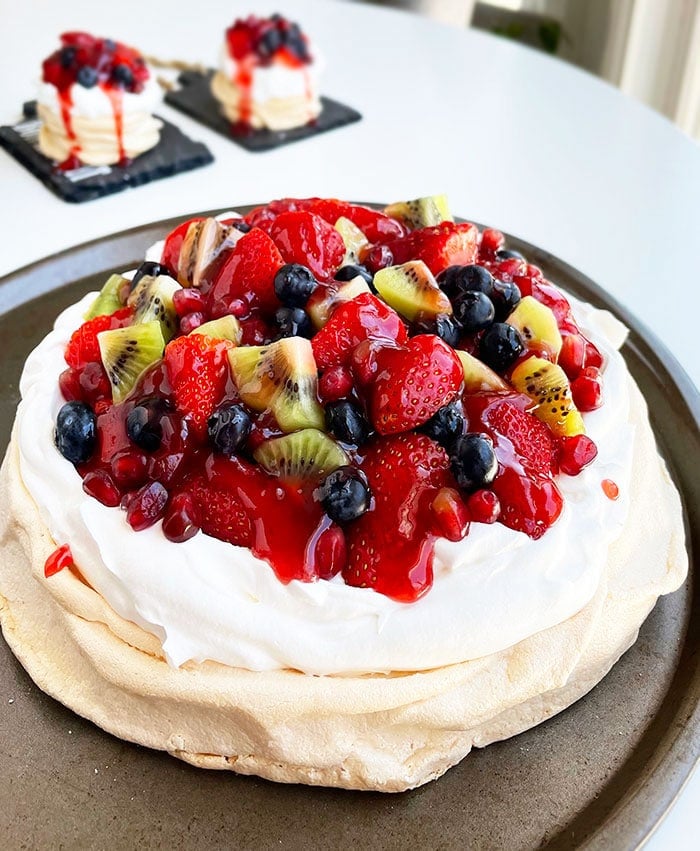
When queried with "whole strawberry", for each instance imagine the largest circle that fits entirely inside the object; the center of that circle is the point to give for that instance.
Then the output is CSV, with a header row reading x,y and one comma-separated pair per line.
x,y
83,347
412,383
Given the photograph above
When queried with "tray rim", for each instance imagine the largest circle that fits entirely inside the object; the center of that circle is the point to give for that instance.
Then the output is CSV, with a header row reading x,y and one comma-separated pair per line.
x,y
640,810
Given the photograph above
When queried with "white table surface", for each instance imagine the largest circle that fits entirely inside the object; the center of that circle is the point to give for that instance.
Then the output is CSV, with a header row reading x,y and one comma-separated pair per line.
x,y
516,139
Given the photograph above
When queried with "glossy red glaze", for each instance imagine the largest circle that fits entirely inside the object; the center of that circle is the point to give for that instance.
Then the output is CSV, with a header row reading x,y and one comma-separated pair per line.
x,y
60,558
610,489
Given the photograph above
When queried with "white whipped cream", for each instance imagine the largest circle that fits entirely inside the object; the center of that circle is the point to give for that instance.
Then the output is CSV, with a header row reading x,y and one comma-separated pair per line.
x,y
206,599
95,103
277,80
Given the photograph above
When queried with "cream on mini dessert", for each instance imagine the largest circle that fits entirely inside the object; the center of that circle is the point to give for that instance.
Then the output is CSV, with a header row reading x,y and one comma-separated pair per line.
x,y
190,634
268,76
95,102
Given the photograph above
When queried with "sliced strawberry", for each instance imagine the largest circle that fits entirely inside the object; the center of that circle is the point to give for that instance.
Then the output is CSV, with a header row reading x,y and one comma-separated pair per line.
x,y
83,347
447,244
305,238
246,273
173,243
412,383
529,505
390,547
532,442
219,507
364,318
198,371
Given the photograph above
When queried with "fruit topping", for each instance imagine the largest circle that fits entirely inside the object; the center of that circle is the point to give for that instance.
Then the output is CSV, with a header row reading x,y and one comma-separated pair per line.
x,y
546,384
225,328
83,347
303,456
59,558
228,429
576,453
328,296
182,520
354,270
152,299
446,424
447,244
347,422
505,297
411,290
483,507
537,327
473,461
146,505
203,242
334,384
309,240
587,389
127,352
473,310
354,240
75,432
294,284
143,424
500,346
451,514
293,322
478,376
264,39
108,301
459,279
412,383
280,377
421,212
344,494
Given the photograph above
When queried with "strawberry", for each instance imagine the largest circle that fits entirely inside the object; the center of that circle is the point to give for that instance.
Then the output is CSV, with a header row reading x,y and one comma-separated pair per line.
x,y
217,501
198,371
529,505
447,244
305,238
390,546
364,318
412,383
531,440
246,273
83,347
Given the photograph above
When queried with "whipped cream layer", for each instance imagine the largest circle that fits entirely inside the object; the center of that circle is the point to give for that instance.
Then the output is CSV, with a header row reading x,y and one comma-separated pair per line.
x,y
95,102
206,599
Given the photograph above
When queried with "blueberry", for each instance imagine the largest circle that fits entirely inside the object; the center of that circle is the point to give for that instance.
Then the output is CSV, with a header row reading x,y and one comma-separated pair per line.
x,y
446,424
508,254
347,273
229,428
122,74
294,322
87,76
270,42
473,310
294,284
149,268
473,461
344,494
143,426
442,325
347,422
75,434
500,346
458,279
505,298
242,226
66,57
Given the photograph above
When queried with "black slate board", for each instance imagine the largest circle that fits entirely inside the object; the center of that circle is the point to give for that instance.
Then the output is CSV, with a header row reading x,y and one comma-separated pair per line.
x,y
195,99
175,153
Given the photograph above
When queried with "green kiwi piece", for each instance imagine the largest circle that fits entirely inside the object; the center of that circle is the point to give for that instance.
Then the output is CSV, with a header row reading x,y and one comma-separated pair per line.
x,y
421,212
354,240
325,299
411,289
547,385
127,352
152,298
478,376
224,328
537,325
303,455
107,300
281,377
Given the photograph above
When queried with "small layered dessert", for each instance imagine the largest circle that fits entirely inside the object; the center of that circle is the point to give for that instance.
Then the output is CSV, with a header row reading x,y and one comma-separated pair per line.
x,y
95,103
268,75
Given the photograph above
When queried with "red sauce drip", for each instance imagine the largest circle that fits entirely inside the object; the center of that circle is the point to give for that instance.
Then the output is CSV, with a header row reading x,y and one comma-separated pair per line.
x,y
610,489
116,98
65,102
243,80
60,558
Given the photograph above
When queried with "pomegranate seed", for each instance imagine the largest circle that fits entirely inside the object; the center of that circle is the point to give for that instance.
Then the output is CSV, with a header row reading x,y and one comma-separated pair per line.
x,y
181,521
492,240
330,552
146,505
191,321
451,514
593,356
60,558
587,390
129,468
378,257
335,384
484,506
507,270
187,300
572,356
610,489
69,385
575,453
239,308
256,332
94,383
100,485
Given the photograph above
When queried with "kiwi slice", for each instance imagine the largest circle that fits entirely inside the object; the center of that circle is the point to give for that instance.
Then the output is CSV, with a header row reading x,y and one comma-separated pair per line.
x,y
325,299
203,243
411,289
537,325
107,300
152,298
546,383
127,352
421,212
281,377
224,328
304,455
478,376
354,240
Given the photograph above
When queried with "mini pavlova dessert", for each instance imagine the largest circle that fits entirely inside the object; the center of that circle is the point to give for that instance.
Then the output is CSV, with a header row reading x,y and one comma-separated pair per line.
x,y
268,76
95,103
331,495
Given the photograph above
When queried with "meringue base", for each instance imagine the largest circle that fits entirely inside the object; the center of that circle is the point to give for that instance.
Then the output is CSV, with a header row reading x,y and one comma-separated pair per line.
x,y
374,732
96,139
272,114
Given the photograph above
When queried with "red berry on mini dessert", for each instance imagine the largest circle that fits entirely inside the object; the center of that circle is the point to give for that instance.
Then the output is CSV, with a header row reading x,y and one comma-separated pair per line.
x,y
575,453
309,240
447,244
83,347
587,389
198,372
247,273
412,383
364,318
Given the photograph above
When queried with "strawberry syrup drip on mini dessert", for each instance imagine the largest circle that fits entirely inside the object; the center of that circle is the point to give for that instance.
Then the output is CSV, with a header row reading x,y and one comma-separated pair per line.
x,y
87,61
334,420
